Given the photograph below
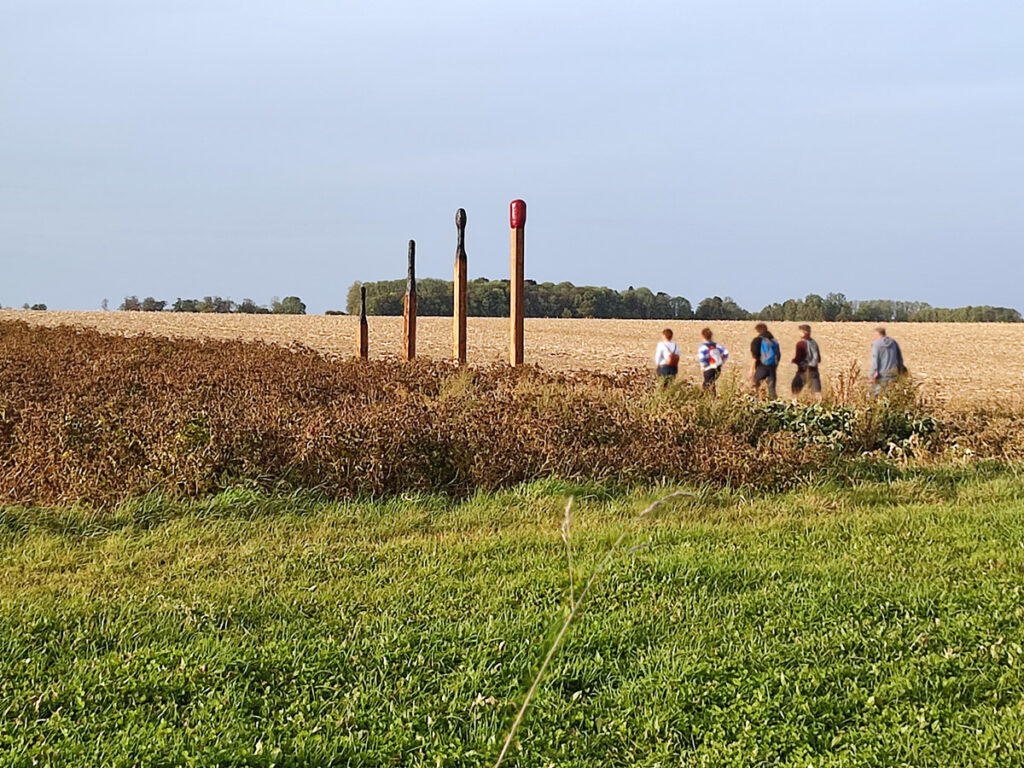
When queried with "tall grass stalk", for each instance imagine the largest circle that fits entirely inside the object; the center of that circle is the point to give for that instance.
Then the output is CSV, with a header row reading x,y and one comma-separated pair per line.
x,y
566,537
576,608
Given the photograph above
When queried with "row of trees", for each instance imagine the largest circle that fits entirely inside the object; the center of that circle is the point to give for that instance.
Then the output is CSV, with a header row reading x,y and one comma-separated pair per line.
x,y
289,305
489,298
835,306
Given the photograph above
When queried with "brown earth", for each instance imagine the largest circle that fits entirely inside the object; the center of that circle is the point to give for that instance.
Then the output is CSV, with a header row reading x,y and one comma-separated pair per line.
x,y
959,364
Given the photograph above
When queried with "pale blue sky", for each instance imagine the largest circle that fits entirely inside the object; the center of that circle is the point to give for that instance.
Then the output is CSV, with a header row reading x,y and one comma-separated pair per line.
x,y
756,149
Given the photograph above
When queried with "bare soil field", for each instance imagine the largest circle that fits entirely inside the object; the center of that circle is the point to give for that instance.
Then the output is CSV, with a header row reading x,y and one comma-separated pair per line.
x,y
957,364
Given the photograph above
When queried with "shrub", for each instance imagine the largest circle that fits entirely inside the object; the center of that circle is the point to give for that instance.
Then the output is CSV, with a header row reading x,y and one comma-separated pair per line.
x,y
100,418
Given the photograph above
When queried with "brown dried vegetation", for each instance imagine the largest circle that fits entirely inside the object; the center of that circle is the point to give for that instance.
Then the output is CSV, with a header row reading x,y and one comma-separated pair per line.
x,y
87,416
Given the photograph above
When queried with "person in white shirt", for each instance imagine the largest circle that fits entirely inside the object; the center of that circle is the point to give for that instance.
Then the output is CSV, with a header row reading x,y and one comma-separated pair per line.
x,y
666,358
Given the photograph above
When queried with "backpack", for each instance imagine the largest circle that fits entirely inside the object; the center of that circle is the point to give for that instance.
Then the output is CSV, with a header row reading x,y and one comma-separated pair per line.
x,y
770,352
715,357
673,359
813,358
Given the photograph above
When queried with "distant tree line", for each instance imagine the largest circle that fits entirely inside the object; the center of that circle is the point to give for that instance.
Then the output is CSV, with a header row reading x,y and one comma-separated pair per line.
x,y
289,305
835,306
489,298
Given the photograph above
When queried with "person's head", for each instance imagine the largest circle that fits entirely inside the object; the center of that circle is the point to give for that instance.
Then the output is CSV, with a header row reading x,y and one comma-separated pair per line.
x,y
761,328
667,334
805,331
706,333
879,332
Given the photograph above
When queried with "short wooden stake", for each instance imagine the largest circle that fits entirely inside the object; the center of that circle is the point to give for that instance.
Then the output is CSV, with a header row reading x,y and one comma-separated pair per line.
x,y
459,302
363,343
517,285
409,313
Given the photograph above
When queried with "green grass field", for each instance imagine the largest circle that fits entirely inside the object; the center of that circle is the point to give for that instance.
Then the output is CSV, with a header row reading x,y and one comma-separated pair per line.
x,y
871,624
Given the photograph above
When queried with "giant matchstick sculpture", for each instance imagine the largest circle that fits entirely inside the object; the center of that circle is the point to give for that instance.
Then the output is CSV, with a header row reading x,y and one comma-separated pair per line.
x,y
459,304
409,313
517,219
363,342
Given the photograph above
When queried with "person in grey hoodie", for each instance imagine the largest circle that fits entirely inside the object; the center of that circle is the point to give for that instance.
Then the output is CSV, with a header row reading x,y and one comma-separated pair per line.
x,y
886,359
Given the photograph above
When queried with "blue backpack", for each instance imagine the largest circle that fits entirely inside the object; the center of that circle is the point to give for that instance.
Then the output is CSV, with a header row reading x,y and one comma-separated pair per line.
x,y
770,352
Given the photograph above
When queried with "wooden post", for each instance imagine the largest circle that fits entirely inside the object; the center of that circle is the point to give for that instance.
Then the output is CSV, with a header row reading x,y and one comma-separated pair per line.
x,y
459,303
409,314
363,342
517,219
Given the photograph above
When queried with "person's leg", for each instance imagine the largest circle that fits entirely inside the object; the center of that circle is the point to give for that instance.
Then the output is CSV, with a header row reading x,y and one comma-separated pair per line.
x,y
770,379
882,383
798,384
710,379
814,382
760,372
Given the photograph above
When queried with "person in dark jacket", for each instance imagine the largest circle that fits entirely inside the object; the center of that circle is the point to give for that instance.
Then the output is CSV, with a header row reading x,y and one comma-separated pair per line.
x,y
807,359
764,365
886,360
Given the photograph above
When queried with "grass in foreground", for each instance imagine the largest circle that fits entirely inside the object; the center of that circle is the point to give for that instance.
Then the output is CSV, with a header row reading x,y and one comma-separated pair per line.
x,y
875,625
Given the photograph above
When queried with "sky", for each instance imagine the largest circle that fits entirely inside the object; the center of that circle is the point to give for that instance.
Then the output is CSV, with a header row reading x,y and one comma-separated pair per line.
x,y
260,148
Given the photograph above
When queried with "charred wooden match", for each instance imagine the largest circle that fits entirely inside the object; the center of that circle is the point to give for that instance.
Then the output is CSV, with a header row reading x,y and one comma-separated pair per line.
x,y
409,313
459,303
363,343
517,219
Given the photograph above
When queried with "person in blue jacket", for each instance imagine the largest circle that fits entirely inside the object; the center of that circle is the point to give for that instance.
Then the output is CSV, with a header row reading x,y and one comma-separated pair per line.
x,y
764,365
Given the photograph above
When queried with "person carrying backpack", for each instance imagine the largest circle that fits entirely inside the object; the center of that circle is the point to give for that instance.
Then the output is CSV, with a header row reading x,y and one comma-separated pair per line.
x,y
666,358
712,357
764,366
807,360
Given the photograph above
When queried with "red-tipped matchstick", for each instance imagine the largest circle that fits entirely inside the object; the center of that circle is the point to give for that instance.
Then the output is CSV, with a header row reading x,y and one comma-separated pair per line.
x,y
517,220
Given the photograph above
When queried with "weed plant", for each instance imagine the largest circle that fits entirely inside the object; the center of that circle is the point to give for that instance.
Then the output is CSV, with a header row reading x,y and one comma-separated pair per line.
x,y
84,416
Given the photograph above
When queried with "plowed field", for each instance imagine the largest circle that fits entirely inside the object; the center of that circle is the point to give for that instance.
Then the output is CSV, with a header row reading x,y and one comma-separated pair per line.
x,y
958,364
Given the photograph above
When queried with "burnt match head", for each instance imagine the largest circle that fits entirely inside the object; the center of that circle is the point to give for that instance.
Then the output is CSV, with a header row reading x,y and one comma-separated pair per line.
x,y
412,266
460,224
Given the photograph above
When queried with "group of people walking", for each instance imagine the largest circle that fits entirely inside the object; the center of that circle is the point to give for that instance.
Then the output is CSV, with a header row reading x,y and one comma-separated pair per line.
x,y
765,356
